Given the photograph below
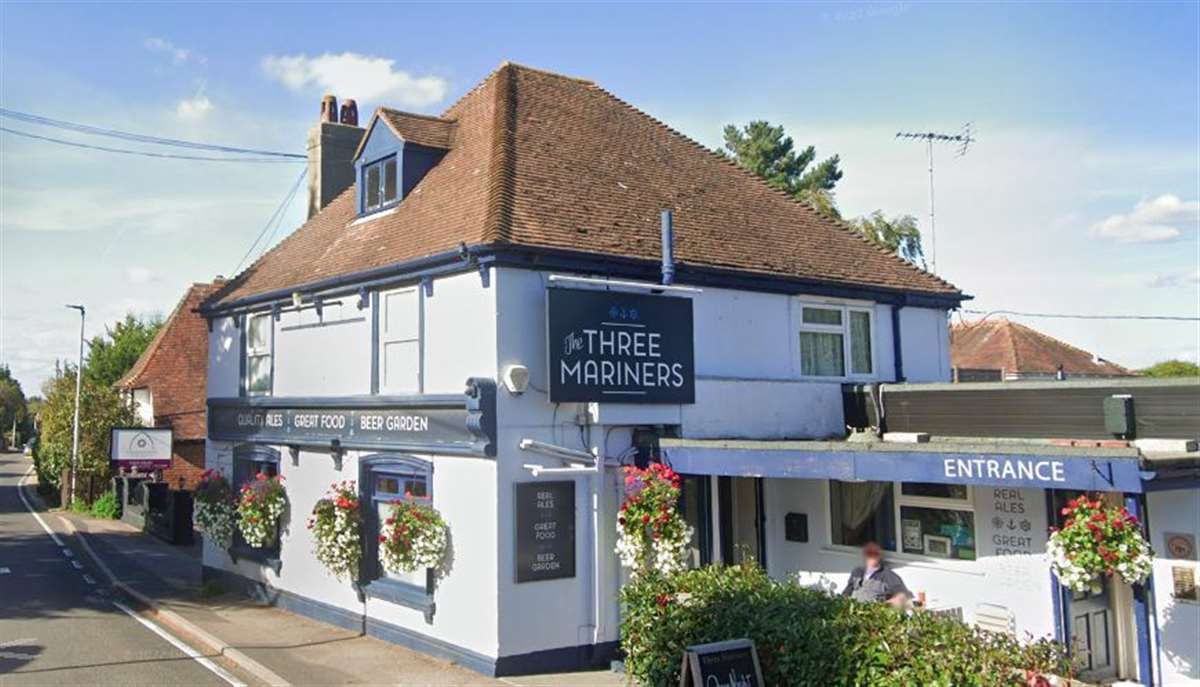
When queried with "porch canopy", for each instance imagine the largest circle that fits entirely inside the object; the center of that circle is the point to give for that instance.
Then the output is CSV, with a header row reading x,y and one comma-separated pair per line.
x,y
975,462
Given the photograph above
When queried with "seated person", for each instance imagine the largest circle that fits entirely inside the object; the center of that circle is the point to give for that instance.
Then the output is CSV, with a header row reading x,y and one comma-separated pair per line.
x,y
874,580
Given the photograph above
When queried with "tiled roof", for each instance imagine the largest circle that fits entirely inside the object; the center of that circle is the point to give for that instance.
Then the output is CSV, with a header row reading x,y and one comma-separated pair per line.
x,y
175,367
999,344
549,161
434,132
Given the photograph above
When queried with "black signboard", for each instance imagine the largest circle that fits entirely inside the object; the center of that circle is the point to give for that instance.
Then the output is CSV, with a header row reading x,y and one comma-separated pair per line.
x,y
461,424
545,531
619,347
721,664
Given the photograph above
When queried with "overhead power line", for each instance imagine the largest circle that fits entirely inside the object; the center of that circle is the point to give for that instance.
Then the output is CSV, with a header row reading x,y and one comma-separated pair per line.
x,y
141,138
1074,316
275,219
147,153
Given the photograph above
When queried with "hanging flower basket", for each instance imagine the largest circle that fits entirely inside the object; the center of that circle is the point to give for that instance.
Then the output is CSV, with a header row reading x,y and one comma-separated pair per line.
x,y
1096,541
336,524
214,512
260,507
413,537
652,536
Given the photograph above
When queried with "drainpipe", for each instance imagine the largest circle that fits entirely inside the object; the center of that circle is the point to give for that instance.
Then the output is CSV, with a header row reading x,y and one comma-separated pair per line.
x,y
897,349
668,248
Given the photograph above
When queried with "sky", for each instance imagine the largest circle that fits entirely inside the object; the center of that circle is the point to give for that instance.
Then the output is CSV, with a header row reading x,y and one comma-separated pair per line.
x,y
1081,194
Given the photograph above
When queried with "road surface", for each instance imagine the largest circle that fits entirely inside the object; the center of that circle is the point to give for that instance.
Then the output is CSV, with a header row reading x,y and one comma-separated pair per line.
x,y
59,624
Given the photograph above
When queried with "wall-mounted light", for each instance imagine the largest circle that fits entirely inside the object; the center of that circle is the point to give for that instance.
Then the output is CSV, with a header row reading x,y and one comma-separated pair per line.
x,y
515,378
297,299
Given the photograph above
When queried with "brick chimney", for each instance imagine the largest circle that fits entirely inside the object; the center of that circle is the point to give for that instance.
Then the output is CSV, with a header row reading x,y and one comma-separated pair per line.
x,y
331,143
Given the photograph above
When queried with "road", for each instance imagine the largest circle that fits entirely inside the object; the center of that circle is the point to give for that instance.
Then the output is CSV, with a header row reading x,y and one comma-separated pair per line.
x,y
59,624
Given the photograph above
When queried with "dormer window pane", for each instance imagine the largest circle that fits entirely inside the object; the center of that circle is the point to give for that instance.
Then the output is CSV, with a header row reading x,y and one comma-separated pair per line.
x,y
381,183
372,184
389,180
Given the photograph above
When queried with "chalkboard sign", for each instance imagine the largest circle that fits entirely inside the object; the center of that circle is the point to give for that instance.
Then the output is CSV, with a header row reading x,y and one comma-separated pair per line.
x,y
619,347
733,663
545,531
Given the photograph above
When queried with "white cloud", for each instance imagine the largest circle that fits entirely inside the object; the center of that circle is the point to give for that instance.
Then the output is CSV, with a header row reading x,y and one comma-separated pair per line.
x,y
141,275
177,54
194,108
1151,221
351,75
1175,280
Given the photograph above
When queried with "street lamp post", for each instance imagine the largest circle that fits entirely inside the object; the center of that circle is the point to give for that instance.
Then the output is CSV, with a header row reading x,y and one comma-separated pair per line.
x,y
78,386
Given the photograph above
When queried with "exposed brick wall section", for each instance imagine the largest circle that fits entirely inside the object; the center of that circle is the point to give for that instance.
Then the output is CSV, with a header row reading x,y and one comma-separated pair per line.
x,y
187,464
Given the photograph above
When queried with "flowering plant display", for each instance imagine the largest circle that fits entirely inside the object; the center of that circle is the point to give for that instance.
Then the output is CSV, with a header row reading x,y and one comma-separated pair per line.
x,y
214,512
1096,541
413,537
336,524
260,507
651,533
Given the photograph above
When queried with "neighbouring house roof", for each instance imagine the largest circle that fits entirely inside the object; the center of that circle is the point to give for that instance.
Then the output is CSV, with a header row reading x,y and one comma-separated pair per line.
x,y
175,367
546,161
999,344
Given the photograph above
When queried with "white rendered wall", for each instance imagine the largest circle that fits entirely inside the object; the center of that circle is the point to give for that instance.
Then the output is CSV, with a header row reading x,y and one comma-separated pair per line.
x,y
326,355
1178,621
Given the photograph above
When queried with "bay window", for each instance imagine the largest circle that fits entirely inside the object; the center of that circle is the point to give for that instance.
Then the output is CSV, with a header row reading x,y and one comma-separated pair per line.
x,y
835,341
918,518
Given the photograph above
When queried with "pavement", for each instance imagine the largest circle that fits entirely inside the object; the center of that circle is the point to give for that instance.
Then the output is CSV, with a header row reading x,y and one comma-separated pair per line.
x,y
254,644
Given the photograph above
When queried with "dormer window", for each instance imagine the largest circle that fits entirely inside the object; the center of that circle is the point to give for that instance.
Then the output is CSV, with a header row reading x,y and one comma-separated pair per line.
x,y
379,184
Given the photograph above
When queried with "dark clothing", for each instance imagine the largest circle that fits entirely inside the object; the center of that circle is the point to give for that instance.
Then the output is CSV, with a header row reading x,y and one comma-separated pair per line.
x,y
882,585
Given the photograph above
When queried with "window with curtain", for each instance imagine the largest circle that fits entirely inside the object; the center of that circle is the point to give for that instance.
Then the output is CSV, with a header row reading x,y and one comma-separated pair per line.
x,y
861,512
259,343
926,519
835,341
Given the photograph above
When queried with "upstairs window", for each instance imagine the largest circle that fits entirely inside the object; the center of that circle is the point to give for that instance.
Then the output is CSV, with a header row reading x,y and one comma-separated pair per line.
x,y
400,314
379,181
259,340
835,341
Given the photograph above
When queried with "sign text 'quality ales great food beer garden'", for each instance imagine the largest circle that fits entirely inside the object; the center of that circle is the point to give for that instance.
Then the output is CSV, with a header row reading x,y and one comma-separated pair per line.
x,y
619,347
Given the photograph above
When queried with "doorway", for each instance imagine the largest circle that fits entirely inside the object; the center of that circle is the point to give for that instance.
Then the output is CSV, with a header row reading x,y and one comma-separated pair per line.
x,y
742,520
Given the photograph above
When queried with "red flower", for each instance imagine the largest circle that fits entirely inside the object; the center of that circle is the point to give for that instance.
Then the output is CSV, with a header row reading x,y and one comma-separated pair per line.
x,y
645,519
382,539
1065,511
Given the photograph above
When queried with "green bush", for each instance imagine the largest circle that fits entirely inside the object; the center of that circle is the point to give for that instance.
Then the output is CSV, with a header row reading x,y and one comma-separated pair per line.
x,y
106,507
807,637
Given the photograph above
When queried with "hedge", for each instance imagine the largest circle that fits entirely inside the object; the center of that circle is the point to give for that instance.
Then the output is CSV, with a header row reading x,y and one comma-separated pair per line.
x,y
807,637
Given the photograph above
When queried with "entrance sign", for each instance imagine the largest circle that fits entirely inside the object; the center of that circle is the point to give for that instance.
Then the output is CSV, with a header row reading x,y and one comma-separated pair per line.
x,y
451,423
545,531
619,347
140,448
721,664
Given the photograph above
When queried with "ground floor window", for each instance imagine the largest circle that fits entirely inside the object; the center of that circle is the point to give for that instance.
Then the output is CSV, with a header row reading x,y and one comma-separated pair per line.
x,y
695,505
924,519
248,462
385,481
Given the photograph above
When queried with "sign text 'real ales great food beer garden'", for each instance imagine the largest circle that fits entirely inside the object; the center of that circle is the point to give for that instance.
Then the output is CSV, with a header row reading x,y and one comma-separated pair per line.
x,y
619,347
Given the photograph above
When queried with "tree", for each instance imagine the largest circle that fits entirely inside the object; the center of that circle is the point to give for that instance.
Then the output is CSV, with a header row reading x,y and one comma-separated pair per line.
x,y
12,408
898,235
766,151
101,407
1172,368
111,355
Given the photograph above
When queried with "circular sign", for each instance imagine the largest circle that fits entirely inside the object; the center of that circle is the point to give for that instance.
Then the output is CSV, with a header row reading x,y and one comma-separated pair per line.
x,y
1181,546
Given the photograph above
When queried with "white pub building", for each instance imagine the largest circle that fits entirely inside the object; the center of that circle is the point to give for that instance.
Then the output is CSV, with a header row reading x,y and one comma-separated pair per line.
x,y
498,307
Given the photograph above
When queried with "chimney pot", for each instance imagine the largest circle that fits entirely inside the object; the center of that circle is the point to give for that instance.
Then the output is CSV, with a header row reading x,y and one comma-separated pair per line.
x,y
329,109
349,112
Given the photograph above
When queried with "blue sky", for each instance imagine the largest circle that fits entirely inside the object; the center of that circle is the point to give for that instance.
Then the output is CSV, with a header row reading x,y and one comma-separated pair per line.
x,y
1080,196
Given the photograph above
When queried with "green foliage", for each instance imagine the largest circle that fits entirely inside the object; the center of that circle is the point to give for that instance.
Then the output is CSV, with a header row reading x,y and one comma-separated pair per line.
x,y
766,151
100,409
112,355
106,507
805,636
1172,368
13,407
81,506
898,235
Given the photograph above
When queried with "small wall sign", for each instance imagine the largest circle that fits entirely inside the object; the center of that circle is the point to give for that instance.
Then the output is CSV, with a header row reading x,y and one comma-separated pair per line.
x,y
1180,545
732,663
140,448
545,531
619,347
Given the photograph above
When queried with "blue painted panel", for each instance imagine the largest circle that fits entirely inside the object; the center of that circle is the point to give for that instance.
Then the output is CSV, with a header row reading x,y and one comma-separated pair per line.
x,y
1007,470
418,160
381,141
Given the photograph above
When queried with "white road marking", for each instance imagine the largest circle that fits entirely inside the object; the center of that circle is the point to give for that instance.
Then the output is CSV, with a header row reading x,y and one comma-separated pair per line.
x,y
89,579
68,553
21,493
77,564
17,642
17,655
169,638
5,571
195,655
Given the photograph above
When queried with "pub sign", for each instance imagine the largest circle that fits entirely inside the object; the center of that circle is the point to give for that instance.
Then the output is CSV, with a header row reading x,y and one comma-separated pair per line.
x,y
619,347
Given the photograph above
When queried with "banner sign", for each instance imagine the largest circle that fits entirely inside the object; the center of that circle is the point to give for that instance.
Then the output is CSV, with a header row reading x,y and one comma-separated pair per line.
x,y
545,531
140,448
455,424
619,347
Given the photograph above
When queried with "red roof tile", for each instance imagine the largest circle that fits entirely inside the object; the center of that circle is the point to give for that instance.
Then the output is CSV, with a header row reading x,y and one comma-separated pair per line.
x,y
999,344
549,161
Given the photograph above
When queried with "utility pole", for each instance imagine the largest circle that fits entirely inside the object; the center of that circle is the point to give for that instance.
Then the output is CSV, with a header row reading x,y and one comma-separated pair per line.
x,y
964,140
78,386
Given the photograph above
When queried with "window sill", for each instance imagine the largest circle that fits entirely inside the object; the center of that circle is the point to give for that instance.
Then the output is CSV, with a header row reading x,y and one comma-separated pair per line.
x,y
909,560
369,215
401,594
265,557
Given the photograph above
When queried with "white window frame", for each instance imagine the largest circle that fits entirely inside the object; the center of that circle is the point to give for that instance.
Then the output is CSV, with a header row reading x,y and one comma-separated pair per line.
x,y
266,351
898,500
844,330
383,340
